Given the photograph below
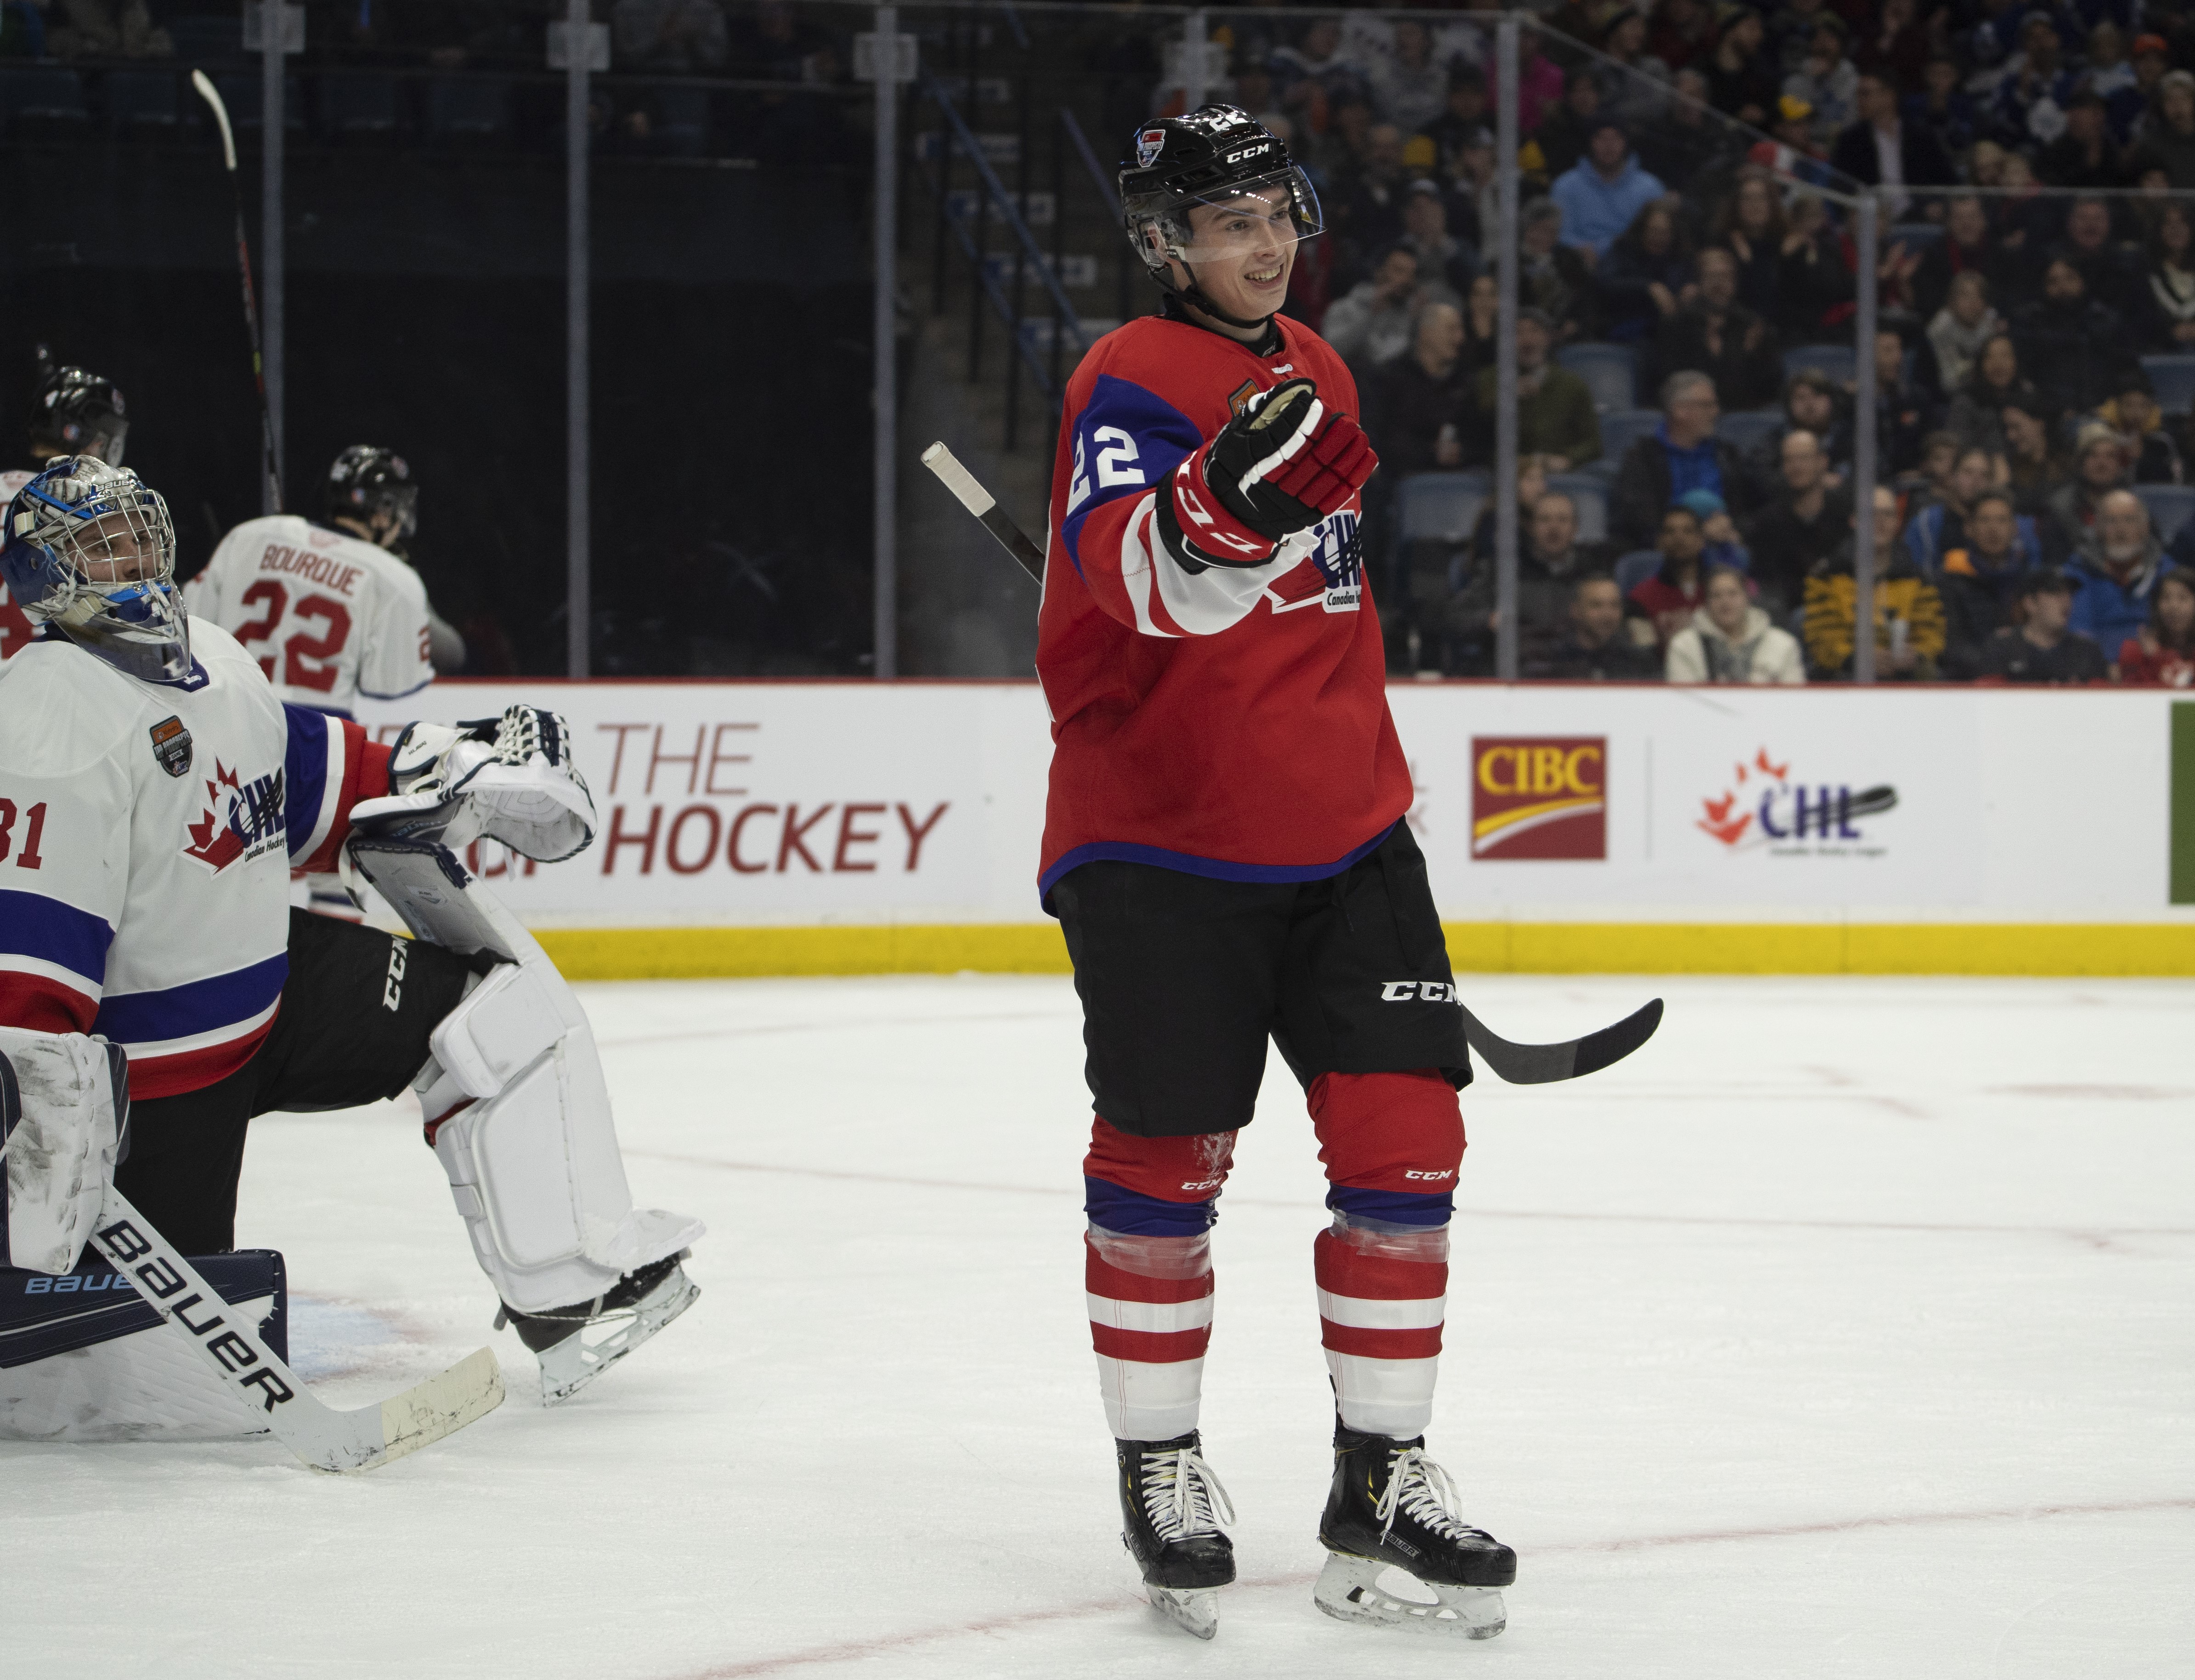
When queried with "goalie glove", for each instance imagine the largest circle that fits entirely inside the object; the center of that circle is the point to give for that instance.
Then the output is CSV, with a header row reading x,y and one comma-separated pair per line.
x,y
1284,464
65,1107
509,779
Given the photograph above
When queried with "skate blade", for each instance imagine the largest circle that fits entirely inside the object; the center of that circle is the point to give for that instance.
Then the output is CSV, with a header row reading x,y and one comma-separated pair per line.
x,y
575,1362
1349,1591
1195,1609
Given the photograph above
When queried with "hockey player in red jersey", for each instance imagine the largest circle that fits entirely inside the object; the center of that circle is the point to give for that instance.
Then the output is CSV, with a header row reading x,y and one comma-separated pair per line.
x,y
1224,847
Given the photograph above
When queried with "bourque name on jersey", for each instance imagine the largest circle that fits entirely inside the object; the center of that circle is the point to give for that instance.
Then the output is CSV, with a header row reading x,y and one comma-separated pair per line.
x,y
243,820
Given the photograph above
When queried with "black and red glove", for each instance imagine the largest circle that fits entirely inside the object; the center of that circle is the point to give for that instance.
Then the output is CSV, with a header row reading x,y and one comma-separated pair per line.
x,y
1278,467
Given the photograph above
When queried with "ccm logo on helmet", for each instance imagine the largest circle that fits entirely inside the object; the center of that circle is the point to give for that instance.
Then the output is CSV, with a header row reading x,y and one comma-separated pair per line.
x,y
1445,1172
1248,152
1424,991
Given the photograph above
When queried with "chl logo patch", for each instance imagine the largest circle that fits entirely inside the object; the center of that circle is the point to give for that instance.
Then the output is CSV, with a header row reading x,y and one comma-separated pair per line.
x,y
1238,400
171,746
244,820
1148,144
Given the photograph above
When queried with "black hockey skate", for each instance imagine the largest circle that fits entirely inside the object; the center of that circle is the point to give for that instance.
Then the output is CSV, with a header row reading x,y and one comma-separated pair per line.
x,y
1172,1506
1390,1509
641,1304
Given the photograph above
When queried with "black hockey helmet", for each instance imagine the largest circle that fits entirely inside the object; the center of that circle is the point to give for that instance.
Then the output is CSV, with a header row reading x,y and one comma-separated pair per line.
x,y
367,481
1216,155
78,413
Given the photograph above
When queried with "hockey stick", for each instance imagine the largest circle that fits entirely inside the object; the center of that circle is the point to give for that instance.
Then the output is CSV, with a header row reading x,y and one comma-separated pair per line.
x,y
985,506
1515,1064
212,97
322,1436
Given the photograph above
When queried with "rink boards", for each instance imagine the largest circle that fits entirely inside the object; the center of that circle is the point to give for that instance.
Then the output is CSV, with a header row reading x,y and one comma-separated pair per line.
x,y
790,827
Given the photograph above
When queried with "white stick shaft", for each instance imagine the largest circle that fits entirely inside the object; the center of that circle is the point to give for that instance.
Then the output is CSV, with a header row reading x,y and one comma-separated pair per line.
x,y
958,480
212,96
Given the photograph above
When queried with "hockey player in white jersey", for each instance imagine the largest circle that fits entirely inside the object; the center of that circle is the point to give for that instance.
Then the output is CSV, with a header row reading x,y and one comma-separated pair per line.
x,y
155,793
330,611
75,413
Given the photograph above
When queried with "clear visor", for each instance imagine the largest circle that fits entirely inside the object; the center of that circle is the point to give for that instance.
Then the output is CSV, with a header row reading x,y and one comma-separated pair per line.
x,y
1266,217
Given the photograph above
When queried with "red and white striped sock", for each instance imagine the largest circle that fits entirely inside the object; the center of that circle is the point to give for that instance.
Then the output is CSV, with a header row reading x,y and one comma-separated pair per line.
x,y
1150,1319
1382,1296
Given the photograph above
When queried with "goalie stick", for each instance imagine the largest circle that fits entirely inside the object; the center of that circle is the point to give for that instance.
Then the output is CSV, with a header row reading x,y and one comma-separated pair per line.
x,y
1514,1064
317,1433
212,96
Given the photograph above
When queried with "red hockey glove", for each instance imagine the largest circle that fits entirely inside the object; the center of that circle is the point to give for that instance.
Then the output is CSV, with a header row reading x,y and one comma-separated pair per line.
x,y
1278,467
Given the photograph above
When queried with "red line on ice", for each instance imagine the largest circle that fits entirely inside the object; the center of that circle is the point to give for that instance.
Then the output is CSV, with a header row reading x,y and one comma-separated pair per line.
x,y
852,1650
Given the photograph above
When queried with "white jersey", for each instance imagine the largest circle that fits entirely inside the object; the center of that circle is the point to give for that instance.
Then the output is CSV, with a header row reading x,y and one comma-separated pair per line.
x,y
147,835
328,617
15,630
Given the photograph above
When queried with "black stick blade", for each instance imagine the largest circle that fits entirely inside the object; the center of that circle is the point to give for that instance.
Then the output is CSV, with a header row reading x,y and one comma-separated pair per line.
x,y
1544,1064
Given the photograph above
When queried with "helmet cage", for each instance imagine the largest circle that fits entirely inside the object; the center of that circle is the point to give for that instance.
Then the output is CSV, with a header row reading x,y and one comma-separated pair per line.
x,y
90,548
1163,227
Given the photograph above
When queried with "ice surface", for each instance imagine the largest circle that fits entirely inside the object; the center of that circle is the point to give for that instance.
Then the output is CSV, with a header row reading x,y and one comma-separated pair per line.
x,y
1844,1331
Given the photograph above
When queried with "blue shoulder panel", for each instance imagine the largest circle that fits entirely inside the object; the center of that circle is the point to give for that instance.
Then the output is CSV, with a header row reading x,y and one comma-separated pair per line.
x,y
1126,440
305,772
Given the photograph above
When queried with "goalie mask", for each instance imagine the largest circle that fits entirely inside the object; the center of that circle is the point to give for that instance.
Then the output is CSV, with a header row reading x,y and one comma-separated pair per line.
x,y
1213,186
92,551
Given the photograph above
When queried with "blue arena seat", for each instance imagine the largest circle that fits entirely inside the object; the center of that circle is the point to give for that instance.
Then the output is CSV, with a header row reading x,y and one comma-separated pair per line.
x,y
1746,429
43,99
1610,370
2170,506
1833,359
1636,568
145,101
1618,431
1917,237
469,109
361,107
682,120
1440,507
1588,494
2174,377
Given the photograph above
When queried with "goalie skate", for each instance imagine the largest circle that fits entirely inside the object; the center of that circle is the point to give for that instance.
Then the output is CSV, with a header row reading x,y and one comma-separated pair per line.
x,y
576,1344
1391,1508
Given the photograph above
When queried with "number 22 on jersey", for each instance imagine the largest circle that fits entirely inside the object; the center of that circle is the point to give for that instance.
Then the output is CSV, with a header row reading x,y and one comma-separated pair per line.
x,y
309,652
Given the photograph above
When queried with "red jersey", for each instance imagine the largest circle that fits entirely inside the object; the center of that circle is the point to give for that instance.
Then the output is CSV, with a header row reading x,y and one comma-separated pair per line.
x,y
1229,722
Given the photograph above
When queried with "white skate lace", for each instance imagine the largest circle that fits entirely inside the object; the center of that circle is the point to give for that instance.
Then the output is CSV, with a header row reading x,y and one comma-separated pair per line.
x,y
1181,1493
1421,1490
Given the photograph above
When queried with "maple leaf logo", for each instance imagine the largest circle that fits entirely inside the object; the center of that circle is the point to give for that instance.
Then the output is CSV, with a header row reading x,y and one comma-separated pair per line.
x,y
215,842
1719,822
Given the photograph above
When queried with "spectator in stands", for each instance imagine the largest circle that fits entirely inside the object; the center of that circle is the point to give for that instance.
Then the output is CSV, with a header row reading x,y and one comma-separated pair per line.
x,y
1730,639
1791,32
2033,471
2071,345
1908,614
1882,149
106,29
1926,484
1682,453
1725,545
1967,246
1646,276
1944,106
2100,467
1564,132
1441,255
1740,83
2036,87
2162,654
1409,87
1550,560
1937,529
1750,227
1663,604
1688,143
2110,75
1801,526
1378,320
1367,201
1961,328
1554,277
2042,649
1816,287
1977,413
1905,409
2167,135
1482,323
1540,84
1555,417
2115,272
2172,279
1683,34
2115,571
670,35
1418,398
2085,156
1603,194
1632,78
1716,335
1826,79
1594,646
1474,194
1898,46
2154,456
1979,581
1812,402
1463,118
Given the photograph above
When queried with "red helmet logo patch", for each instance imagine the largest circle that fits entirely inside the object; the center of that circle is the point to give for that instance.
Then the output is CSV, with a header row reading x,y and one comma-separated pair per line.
x,y
1148,144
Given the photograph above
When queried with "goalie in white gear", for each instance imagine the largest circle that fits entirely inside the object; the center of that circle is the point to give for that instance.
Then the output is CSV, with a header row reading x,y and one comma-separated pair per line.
x,y
154,795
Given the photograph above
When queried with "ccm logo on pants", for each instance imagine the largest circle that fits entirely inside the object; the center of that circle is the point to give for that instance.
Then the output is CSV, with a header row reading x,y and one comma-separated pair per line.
x,y
1424,991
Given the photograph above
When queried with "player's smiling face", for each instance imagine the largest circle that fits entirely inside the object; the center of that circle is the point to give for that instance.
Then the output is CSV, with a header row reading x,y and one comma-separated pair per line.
x,y
1244,250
